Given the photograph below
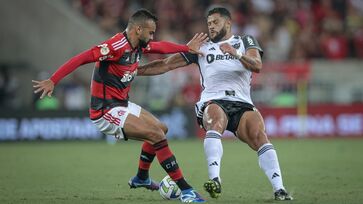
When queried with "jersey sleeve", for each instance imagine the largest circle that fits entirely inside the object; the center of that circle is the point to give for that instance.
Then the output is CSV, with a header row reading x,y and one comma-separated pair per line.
x,y
72,64
164,47
250,42
109,50
189,57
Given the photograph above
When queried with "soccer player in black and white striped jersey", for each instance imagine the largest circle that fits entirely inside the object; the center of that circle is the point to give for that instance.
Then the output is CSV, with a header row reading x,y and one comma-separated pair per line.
x,y
225,102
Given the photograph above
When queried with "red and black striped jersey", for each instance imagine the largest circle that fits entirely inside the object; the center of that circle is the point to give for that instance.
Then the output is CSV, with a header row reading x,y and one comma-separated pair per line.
x,y
116,67
113,74
115,70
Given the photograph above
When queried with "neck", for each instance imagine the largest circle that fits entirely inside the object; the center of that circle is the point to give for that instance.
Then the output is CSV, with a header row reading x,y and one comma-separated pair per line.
x,y
227,36
131,36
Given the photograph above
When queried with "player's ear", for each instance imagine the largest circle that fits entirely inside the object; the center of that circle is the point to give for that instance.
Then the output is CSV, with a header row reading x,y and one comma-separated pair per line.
x,y
229,23
138,30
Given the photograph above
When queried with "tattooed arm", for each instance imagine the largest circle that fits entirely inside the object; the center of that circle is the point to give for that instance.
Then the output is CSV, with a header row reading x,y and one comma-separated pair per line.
x,y
251,60
161,66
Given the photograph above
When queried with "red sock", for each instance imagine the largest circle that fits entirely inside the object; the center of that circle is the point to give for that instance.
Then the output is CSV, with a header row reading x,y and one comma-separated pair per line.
x,y
168,161
146,158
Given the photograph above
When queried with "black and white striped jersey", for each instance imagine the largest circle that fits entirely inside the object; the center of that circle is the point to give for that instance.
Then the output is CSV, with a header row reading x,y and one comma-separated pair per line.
x,y
223,76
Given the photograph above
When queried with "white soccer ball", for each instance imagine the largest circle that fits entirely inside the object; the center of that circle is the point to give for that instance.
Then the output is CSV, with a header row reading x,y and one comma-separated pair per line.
x,y
168,189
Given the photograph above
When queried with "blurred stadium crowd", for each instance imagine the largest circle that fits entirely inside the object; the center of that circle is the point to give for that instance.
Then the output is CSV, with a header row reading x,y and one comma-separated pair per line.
x,y
288,31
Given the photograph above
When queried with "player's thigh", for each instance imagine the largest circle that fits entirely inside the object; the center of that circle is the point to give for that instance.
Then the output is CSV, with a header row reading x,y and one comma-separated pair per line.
x,y
152,120
137,129
251,129
214,118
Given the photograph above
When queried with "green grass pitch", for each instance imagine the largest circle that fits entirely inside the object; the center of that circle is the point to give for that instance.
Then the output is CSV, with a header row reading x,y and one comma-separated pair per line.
x,y
314,171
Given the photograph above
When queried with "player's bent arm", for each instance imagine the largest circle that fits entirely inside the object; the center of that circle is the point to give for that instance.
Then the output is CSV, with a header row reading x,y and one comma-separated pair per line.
x,y
252,60
162,66
164,47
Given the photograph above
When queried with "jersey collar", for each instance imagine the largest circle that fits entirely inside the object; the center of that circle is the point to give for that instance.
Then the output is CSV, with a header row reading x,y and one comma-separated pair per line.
x,y
220,42
125,34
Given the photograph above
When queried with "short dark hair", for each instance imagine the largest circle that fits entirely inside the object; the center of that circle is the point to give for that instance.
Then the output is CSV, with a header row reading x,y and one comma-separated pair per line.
x,y
142,15
221,10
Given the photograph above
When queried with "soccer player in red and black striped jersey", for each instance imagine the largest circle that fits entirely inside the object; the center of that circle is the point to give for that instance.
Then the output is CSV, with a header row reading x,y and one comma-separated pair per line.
x,y
111,111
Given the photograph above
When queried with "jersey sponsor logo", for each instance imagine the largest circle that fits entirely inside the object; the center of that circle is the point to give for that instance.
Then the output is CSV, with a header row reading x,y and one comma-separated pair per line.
x,y
102,58
211,57
250,41
127,77
212,48
105,57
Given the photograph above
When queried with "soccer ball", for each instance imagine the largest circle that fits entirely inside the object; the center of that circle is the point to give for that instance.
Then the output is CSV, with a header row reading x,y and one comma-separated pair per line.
x,y
168,189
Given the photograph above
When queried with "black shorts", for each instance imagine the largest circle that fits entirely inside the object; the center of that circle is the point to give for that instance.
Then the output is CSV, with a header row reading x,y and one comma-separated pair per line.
x,y
233,110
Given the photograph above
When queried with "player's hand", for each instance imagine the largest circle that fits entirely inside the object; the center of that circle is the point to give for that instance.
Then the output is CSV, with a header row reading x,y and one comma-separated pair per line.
x,y
47,86
227,48
195,43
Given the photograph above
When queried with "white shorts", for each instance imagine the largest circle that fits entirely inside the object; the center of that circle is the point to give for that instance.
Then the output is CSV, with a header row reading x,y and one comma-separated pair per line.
x,y
112,122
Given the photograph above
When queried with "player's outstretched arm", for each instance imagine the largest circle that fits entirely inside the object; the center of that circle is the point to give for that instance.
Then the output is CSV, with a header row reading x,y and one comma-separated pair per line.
x,y
47,86
161,66
251,60
164,47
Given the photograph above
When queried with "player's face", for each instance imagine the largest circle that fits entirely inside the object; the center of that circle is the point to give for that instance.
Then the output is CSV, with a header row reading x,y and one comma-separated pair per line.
x,y
147,32
217,27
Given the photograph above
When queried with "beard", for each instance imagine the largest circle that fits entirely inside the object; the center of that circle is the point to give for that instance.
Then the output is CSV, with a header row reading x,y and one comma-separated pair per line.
x,y
143,43
220,35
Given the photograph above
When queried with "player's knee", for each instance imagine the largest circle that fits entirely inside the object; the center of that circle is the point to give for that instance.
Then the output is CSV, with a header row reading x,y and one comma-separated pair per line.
x,y
164,128
256,138
218,126
155,134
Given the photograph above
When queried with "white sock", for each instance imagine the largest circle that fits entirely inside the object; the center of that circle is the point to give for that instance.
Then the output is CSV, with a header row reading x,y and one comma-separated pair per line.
x,y
267,159
213,150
